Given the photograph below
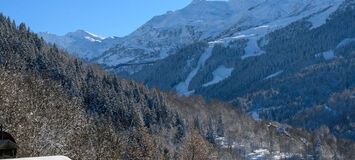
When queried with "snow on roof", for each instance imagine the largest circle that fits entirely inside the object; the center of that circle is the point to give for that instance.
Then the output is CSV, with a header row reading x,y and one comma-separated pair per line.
x,y
44,158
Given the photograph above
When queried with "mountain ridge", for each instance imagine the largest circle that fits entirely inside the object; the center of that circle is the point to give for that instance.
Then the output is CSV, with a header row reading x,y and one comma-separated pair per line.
x,y
81,43
163,35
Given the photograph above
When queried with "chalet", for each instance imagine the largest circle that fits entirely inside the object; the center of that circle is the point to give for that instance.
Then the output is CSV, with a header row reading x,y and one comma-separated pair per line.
x,y
8,146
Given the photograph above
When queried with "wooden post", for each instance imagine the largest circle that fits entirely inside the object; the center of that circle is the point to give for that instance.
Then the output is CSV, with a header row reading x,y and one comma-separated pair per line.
x,y
2,135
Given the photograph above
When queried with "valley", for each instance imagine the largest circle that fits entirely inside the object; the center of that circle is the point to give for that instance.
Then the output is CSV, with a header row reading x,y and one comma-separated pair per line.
x,y
237,79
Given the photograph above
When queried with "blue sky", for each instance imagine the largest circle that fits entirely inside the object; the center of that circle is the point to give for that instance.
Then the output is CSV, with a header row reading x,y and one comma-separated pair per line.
x,y
102,17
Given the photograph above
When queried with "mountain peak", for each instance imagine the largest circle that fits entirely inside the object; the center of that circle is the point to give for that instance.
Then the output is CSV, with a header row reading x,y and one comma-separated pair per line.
x,y
84,34
81,43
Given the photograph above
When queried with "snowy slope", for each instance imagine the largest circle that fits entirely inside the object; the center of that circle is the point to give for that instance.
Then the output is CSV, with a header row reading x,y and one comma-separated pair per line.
x,y
220,74
265,16
216,21
183,87
269,15
162,35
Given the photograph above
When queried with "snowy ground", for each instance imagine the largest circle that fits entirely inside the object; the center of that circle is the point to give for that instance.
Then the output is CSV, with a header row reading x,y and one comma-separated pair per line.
x,y
256,154
44,158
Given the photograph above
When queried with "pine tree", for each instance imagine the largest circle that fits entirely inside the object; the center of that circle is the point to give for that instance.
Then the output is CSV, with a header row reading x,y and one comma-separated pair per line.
x,y
197,124
210,135
180,129
220,126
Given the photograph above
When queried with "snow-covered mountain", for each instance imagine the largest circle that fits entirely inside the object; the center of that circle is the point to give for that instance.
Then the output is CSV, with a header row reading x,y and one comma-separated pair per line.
x,y
163,35
80,43
245,24
202,20
214,21
283,60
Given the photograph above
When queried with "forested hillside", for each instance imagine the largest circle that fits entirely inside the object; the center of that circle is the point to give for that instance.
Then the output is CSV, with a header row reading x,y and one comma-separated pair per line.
x,y
297,76
54,104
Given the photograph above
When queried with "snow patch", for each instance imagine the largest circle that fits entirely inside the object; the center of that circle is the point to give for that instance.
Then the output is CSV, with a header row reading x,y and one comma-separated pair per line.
x,y
255,115
259,153
252,48
328,55
345,42
256,154
224,143
92,39
279,155
273,75
220,74
183,87
94,35
226,40
216,42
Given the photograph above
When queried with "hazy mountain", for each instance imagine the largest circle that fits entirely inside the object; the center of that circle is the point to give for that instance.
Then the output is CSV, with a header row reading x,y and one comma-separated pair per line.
x,y
80,43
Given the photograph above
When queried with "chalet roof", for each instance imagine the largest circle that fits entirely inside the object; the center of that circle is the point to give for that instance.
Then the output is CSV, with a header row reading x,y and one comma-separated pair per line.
x,y
8,136
43,158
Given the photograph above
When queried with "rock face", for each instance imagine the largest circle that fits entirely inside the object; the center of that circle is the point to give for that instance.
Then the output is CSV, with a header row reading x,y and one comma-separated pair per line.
x,y
54,104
